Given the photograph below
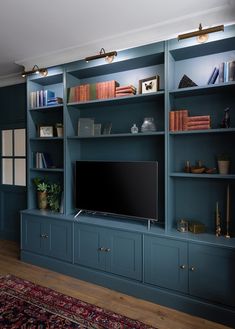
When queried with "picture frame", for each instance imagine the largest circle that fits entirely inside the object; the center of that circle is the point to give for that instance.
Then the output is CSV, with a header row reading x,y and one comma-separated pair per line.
x,y
149,85
45,131
85,127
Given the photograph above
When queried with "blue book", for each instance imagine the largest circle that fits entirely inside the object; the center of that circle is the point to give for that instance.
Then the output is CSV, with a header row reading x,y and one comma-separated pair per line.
x,y
209,81
213,76
48,94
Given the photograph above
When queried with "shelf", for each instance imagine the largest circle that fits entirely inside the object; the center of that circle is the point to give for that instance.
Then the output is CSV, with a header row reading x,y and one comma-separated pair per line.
x,y
46,139
204,131
48,169
119,100
203,90
47,108
157,133
206,176
207,238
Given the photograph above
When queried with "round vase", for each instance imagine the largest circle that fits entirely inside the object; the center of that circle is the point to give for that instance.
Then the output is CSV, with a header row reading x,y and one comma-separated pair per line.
x,y
148,125
223,166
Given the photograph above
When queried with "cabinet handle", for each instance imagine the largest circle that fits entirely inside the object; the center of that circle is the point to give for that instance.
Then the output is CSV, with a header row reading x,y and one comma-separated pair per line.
x,y
192,268
107,249
183,266
101,249
44,236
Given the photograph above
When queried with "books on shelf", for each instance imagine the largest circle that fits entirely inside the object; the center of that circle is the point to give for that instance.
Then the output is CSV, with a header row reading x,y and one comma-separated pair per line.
x,y
43,160
86,92
42,98
214,76
127,90
227,71
180,121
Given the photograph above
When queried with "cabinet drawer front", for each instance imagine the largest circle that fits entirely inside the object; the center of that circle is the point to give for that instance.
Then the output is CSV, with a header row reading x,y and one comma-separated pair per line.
x,y
165,263
213,274
125,254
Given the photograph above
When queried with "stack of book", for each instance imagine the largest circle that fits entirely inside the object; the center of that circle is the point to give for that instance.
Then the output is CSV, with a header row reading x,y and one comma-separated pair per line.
x,y
42,98
43,160
198,122
227,72
79,93
106,89
86,92
125,91
180,120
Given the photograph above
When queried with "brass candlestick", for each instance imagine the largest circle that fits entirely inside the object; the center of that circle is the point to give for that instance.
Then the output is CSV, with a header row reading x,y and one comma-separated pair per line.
x,y
217,221
227,213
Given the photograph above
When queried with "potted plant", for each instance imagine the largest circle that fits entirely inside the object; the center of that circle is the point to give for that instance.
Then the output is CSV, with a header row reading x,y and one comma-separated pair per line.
x,y
54,196
223,161
42,189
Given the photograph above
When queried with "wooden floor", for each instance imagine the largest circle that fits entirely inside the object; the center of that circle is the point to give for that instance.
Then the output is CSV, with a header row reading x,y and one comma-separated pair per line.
x,y
149,313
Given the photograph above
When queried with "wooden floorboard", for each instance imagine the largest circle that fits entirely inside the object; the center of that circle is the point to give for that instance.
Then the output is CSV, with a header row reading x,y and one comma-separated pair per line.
x,y
149,313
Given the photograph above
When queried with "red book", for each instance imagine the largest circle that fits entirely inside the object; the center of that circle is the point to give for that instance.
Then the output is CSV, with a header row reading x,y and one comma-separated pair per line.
x,y
184,119
176,122
126,87
124,94
199,118
194,123
172,121
199,127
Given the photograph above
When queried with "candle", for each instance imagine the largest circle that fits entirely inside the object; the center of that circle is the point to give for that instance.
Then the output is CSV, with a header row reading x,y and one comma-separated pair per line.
x,y
227,213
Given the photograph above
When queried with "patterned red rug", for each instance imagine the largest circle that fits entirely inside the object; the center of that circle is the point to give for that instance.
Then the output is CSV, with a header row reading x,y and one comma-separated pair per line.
x,y
29,306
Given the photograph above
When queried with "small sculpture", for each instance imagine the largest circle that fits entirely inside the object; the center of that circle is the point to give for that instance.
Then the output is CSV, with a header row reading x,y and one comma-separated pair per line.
x,y
217,220
226,119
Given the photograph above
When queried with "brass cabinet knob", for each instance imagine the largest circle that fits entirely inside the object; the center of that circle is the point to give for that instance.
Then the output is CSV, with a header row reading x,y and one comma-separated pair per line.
x,y
192,268
101,249
183,266
107,249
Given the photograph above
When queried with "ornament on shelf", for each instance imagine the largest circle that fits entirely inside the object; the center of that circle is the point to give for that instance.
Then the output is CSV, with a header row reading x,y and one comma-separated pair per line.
x,y
134,129
226,119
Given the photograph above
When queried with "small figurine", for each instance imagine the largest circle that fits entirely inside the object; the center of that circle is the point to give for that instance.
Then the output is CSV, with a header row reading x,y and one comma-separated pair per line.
x,y
226,119
217,220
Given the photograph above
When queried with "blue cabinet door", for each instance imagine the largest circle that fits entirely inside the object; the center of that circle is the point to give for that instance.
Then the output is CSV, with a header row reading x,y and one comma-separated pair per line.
x,y
31,237
89,246
212,273
47,236
124,253
59,242
114,251
165,263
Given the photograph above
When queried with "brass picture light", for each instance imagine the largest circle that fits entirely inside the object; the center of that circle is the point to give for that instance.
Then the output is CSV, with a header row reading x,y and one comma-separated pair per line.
x,y
43,71
201,34
102,54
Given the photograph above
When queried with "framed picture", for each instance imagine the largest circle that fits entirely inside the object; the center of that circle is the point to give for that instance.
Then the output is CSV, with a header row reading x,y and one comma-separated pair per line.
x,y
45,131
149,85
86,127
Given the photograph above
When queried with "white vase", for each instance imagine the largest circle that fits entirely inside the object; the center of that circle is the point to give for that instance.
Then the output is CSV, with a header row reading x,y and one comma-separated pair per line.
x,y
223,166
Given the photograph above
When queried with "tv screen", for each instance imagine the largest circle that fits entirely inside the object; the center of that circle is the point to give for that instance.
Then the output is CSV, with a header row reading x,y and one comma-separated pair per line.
x,y
127,188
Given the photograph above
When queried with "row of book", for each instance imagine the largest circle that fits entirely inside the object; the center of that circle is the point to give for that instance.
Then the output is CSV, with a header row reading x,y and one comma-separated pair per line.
x,y
225,73
125,91
180,120
86,92
42,98
43,160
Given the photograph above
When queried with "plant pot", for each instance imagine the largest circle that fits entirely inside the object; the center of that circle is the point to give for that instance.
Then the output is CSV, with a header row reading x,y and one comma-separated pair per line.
x,y
42,200
223,166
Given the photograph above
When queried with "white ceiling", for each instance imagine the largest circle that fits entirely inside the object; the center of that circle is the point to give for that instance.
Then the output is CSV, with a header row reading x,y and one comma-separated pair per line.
x,y
51,32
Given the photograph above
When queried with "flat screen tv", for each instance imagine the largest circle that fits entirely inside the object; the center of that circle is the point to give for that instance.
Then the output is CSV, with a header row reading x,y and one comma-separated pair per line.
x,y
124,188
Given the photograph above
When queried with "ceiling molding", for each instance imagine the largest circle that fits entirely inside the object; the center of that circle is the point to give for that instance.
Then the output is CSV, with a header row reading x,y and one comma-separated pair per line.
x,y
11,79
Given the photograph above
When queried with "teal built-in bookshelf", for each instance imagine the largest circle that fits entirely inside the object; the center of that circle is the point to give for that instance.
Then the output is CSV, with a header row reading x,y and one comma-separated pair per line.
x,y
187,271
